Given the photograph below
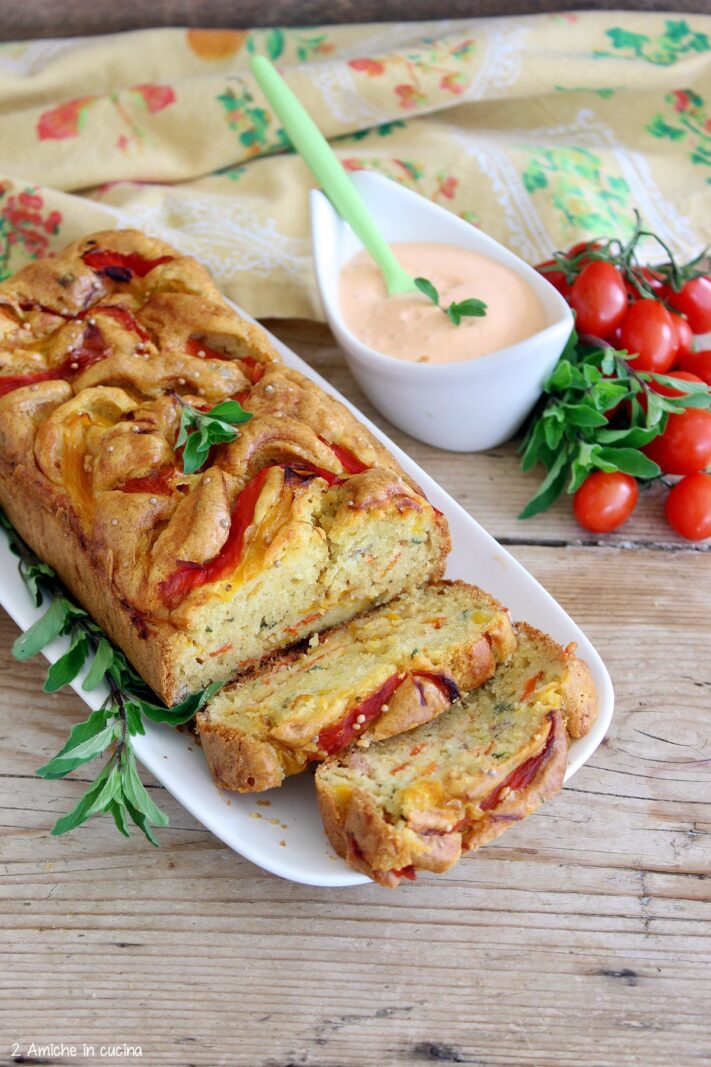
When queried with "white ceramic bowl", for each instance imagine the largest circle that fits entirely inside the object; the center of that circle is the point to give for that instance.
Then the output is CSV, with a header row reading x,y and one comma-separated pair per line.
x,y
465,407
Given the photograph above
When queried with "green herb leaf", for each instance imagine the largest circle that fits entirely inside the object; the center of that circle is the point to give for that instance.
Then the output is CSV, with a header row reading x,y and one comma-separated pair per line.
x,y
141,822
532,444
136,795
182,712
194,454
470,308
553,431
80,733
82,753
103,658
584,415
628,436
98,797
35,575
118,810
49,626
67,666
605,395
550,489
630,461
200,430
607,363
230,411
427,289
561,377
134,717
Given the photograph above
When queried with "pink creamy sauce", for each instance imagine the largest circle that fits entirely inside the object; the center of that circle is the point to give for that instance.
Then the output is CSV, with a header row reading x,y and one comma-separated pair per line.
x,y
410,327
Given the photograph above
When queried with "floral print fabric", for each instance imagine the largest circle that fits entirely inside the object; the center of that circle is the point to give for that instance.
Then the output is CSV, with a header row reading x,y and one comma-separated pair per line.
x,y
540,130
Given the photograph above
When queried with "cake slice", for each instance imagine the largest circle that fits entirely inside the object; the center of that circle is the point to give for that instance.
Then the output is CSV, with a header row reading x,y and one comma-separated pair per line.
x,y
383,673
420,800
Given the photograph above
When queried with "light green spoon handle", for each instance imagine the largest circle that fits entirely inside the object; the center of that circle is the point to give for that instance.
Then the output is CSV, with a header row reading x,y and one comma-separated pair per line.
x,y
316,152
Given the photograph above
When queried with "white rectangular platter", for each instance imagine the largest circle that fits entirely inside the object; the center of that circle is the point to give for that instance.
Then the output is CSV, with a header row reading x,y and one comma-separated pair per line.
x,y
286,837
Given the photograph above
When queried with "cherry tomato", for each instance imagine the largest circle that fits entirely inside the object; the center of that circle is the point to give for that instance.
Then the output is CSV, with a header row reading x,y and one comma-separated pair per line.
x,y
599,298
615,337
685,445
698,363
605,501
582,246
689,507
694,301
684,337
648,330
555,277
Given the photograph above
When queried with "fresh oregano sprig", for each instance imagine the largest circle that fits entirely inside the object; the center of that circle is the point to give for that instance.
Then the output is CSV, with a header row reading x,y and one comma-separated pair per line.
x,y
570,432
456,311
117,789
200,430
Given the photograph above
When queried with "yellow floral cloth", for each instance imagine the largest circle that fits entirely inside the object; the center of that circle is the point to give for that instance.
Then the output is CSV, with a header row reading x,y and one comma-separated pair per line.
x,y
540,130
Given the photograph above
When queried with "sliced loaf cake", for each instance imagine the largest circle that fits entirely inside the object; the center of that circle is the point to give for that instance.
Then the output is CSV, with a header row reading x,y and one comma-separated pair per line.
x,y
420,800
385,672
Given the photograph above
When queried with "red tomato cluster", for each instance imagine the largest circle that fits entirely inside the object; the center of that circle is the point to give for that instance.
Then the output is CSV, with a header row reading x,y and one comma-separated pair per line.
x,y
608,306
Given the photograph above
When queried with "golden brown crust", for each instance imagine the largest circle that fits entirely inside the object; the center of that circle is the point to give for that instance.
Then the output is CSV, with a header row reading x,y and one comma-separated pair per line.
x,y
131,329
38,513
362,836
240,762
581,698
579,693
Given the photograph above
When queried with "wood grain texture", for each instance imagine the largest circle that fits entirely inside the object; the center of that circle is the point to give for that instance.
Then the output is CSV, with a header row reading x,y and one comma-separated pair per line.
x,y
67,18
581,937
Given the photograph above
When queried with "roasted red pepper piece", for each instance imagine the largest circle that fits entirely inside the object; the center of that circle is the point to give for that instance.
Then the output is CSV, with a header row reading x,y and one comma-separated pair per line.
x,y
91,349
335,737
301,469
31,305
196,347
158,481
447,685
530,686
252,367
16,381
121,315
408,872
121,266
189,576
524,774
345,457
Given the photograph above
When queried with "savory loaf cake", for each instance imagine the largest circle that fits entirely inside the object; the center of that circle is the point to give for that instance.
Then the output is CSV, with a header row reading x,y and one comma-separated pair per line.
x,y
420,800
299,523
379,675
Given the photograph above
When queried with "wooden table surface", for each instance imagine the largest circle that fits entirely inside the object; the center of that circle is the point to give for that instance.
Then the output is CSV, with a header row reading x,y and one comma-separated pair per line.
x,y
581,937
